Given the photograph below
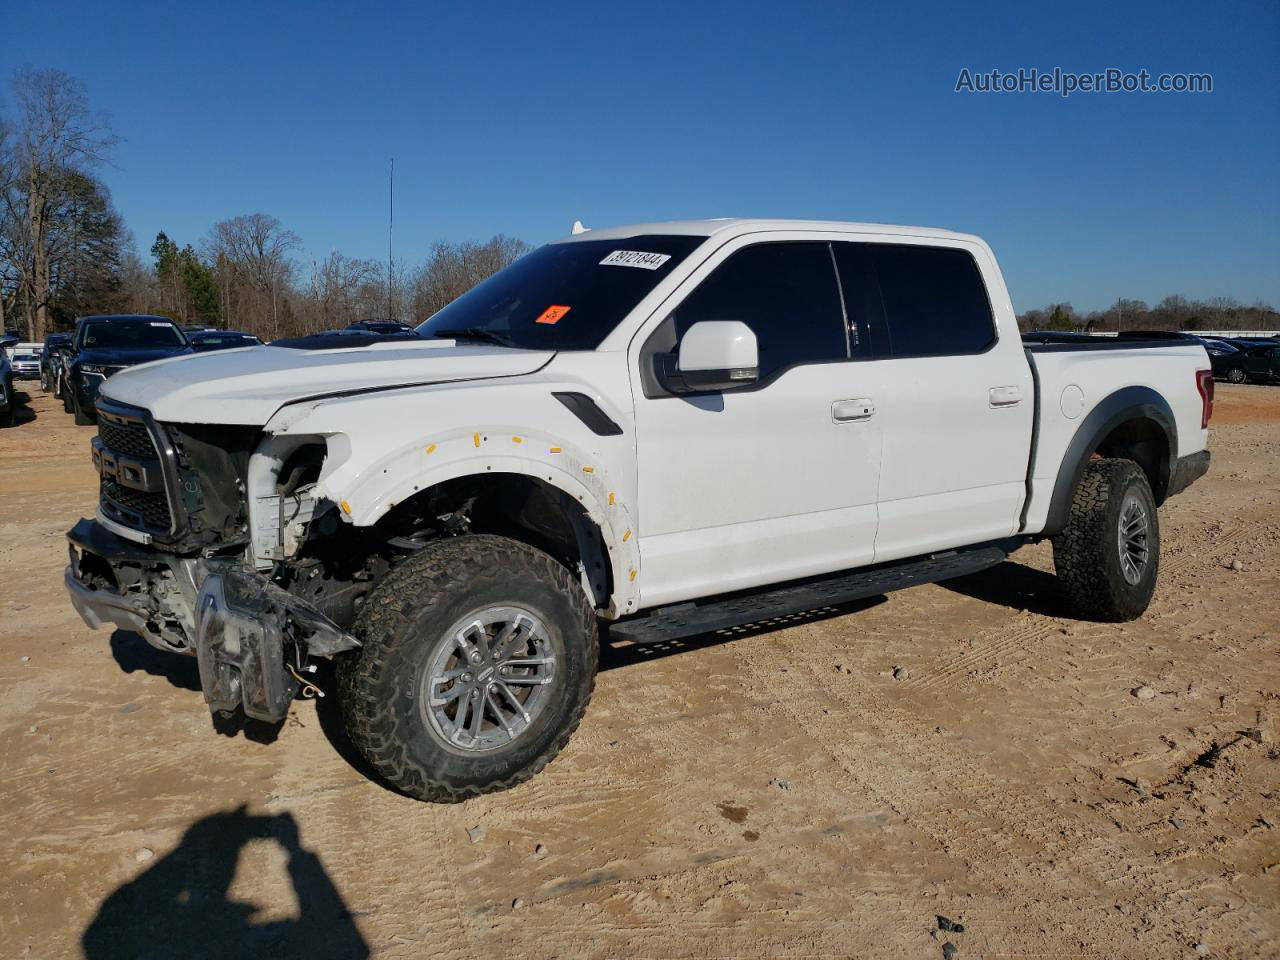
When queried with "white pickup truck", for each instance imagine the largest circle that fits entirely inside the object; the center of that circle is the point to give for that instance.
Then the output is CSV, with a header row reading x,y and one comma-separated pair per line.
x,y
655,430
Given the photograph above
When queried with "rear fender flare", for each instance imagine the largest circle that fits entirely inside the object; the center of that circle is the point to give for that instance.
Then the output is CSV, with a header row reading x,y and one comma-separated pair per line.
x,y
1129,403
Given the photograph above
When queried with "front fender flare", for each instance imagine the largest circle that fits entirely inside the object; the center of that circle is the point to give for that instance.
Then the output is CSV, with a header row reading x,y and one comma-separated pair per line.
x,y
465,453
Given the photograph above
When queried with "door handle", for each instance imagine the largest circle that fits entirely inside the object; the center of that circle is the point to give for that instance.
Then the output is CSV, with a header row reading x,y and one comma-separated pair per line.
x,y
846,411
1004,396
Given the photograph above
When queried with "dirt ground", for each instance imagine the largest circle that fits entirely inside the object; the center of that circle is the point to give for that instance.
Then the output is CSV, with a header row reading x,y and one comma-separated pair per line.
x,y
778,792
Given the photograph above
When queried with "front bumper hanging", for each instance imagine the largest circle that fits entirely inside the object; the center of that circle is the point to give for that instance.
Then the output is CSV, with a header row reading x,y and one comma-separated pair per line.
x,y
243,629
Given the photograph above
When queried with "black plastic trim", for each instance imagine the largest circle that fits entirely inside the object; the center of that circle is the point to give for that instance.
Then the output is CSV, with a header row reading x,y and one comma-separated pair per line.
x,y
1035,439
1188,470
589,412
93,537
1101,343
737,609
1130,403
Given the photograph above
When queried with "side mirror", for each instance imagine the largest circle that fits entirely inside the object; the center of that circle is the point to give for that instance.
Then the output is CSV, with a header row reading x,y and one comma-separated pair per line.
x,y
713,355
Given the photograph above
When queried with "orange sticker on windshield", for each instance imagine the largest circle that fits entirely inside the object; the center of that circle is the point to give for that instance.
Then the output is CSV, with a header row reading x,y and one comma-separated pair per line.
x,y
552,315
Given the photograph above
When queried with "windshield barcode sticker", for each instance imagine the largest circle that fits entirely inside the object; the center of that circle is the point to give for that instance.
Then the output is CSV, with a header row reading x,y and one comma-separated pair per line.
x,y
635,258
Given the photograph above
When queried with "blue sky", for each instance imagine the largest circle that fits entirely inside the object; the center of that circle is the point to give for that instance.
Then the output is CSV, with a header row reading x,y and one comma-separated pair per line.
x,y
519,118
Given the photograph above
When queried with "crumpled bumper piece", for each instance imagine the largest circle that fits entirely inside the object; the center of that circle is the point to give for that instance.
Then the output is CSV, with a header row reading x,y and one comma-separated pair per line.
x,y
97,608
242,623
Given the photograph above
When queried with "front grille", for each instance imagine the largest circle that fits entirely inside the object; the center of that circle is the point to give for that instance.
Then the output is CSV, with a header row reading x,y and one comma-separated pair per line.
x,y
125,432
134,508
127,437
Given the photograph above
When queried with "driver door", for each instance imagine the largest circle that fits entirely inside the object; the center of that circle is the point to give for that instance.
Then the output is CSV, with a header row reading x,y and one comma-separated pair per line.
x,y
771,481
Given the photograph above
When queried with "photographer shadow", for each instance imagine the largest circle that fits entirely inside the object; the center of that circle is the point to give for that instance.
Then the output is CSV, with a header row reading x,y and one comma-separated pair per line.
x,y
179,906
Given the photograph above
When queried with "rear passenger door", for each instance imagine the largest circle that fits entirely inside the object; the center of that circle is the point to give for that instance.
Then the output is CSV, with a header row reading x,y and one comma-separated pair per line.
x,y
954,398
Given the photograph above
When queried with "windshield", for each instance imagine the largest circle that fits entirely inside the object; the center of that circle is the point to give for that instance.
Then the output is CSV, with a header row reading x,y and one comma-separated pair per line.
x,y
564,296
132,335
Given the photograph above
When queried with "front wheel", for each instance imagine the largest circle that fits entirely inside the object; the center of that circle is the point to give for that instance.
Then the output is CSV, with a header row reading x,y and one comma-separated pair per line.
x,y
83,417
1235,375
1108,555
479,658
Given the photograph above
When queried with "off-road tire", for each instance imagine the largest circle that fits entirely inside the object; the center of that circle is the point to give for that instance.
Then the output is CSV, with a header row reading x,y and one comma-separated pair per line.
x,y
67,403
402,619
1236,375
1087,552
83,419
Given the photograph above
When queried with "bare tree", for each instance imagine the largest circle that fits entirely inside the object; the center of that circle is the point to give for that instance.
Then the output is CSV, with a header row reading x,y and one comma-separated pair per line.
x,y
251,261
454,268
336,285
57,138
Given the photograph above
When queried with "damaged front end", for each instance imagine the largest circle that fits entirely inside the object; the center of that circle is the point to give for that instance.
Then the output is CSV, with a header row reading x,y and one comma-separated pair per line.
x,y
252,639
184,555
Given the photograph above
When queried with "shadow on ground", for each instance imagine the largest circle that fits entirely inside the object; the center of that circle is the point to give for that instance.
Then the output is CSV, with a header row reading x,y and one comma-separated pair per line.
x,y
134,654
179,907
1013,585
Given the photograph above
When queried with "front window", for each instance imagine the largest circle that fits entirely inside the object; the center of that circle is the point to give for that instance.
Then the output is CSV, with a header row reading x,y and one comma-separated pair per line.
x,y
564,296
131,334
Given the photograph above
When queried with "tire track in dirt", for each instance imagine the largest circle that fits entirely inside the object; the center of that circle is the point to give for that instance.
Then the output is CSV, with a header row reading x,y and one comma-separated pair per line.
x,y
1017,637
1018,846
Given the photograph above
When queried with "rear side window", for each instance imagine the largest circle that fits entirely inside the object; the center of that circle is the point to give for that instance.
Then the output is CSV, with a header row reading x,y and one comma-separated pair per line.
x,y
785,292
915,301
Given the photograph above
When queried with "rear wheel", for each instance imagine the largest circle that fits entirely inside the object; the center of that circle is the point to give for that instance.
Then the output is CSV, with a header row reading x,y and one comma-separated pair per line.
x,y
478,661
1108,556
1235,375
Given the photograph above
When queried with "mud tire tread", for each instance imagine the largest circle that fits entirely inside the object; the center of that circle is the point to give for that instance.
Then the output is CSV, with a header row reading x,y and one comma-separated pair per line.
x,y
385,626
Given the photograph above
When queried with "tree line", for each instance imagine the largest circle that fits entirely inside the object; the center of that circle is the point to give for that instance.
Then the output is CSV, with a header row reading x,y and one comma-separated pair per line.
x,y
65,251
1171,313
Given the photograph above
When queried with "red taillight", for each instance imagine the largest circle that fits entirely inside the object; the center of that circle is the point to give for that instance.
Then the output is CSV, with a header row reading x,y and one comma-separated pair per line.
x,y
1204,384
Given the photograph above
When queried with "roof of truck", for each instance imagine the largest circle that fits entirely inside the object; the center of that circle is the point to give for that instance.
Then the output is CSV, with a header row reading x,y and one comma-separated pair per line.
x,y
735,226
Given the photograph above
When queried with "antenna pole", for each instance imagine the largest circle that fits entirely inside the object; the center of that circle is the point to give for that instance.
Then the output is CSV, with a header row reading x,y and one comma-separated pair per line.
x,y
391,220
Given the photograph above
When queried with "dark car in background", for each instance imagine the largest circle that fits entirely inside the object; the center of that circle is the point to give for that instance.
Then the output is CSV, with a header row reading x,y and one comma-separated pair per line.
x,y
1253,361
7,401
381,327
105,345
203,341
51,359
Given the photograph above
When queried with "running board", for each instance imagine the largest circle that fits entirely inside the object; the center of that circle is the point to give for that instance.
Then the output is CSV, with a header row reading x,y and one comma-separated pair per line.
x,y
717,613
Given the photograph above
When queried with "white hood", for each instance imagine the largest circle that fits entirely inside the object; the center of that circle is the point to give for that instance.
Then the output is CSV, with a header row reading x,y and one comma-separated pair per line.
x,y
248,386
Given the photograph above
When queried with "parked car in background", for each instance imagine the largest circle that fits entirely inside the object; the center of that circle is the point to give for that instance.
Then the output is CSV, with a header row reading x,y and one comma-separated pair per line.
x,y
7,401
60,354
1257,362
105,345
202,341
25,360
50,359
381,326
1215,346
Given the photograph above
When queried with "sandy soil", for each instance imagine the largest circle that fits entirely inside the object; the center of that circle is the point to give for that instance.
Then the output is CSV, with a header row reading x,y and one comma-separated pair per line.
x,y
772,793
